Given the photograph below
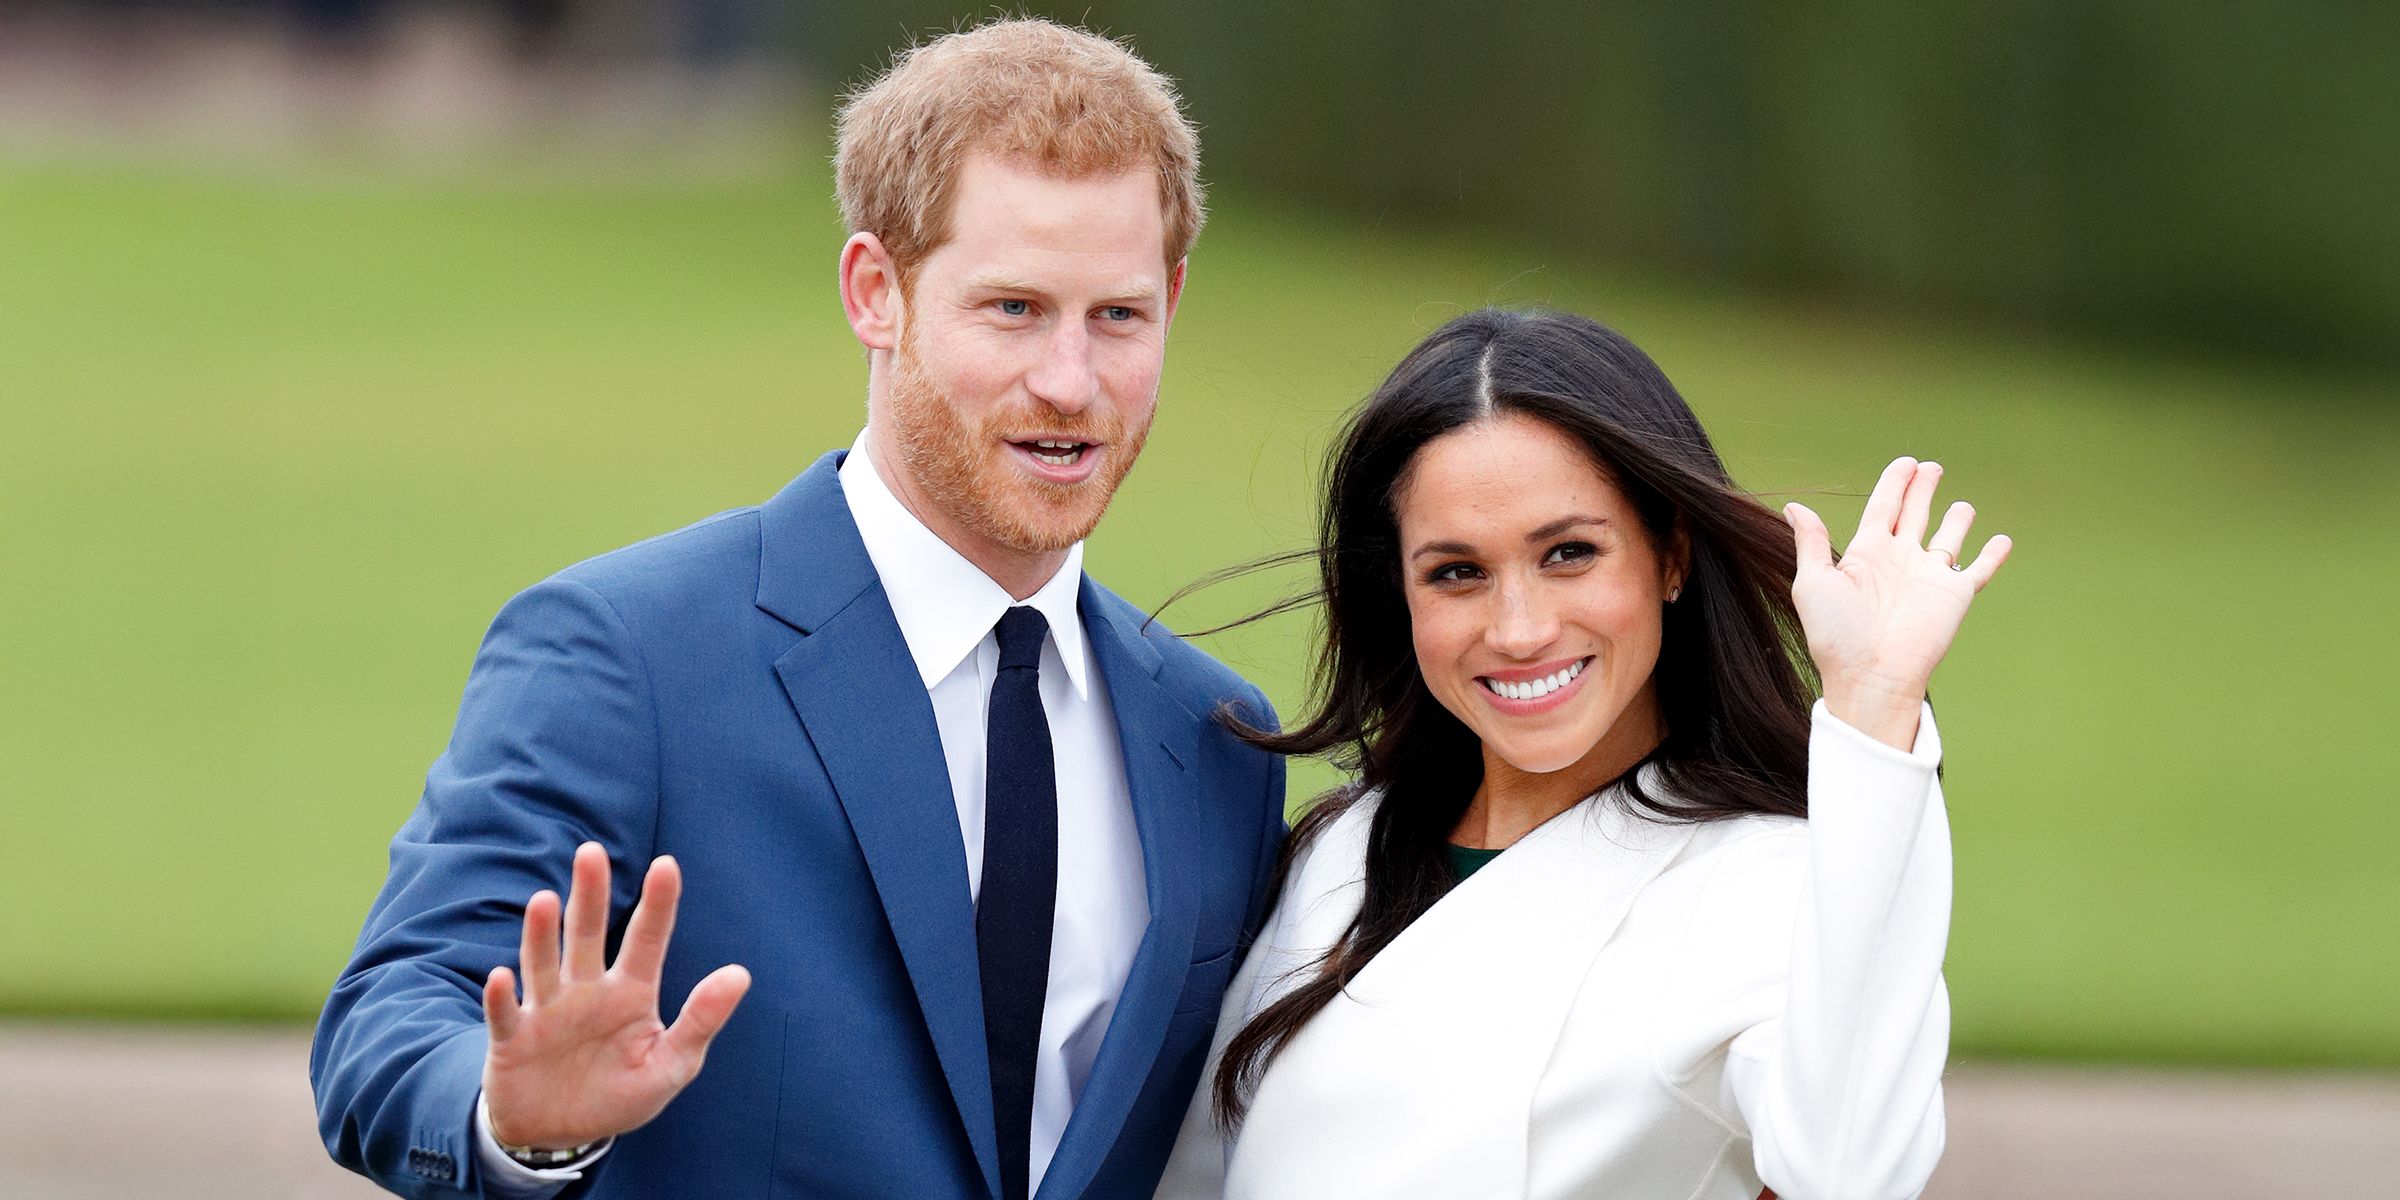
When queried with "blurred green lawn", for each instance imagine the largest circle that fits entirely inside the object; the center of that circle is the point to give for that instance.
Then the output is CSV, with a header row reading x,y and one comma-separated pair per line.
x,y
274,446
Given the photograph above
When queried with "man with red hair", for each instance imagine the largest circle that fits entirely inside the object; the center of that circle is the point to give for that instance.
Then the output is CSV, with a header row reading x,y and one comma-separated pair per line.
x,y
939,840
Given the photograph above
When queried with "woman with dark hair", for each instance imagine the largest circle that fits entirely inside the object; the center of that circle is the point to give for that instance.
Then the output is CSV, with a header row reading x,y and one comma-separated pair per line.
x,y
1609,910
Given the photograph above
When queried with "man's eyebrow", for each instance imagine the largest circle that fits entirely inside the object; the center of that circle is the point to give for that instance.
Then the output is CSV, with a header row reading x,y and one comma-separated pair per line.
x,y
1001,283
1561,525
1132,292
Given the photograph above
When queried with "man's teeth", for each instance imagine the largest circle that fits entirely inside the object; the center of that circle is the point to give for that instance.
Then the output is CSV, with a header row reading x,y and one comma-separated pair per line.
x,y
1062,454
1535,689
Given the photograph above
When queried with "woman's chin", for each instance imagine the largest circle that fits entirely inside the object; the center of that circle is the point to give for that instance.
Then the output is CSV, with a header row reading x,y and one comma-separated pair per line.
x,y
1539,757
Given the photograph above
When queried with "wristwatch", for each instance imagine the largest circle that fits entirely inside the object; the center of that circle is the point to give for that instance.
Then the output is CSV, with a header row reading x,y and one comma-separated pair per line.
x,y
540,1159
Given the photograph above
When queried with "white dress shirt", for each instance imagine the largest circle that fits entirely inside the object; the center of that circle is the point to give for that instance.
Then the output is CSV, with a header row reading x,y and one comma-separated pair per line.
x,y
946,608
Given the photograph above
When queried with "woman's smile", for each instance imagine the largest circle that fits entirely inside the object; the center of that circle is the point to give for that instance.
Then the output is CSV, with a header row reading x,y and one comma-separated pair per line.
x,y
1539,689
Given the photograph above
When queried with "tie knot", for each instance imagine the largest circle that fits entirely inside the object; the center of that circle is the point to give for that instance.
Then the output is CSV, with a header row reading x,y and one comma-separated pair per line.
x,y
1020,631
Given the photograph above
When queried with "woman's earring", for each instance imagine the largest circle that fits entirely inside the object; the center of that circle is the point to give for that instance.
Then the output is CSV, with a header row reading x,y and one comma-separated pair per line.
x,y
1673,594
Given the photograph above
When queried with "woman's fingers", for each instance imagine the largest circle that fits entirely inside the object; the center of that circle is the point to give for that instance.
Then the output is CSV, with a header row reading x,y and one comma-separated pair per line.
x,y
587,914
644,951
1987,564
1951,538
1882,514
705,1012
1810,539
500,1010
1916,505
537,949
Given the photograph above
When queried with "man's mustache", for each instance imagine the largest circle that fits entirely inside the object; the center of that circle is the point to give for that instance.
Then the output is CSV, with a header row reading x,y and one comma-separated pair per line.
x,y
1080,428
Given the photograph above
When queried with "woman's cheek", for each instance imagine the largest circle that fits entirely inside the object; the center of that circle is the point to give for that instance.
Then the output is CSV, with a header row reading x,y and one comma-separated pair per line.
x,y
1442,640
1626,616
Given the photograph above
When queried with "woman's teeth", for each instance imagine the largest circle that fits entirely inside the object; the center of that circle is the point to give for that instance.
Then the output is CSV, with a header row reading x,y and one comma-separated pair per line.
x,y
1535,689
1059,454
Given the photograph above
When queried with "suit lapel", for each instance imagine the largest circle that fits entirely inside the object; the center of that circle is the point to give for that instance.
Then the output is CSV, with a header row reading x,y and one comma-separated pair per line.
x,y
1160,741
856,691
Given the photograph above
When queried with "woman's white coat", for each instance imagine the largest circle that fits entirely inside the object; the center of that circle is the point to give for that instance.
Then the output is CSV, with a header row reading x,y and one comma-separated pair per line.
x,y
1618,1007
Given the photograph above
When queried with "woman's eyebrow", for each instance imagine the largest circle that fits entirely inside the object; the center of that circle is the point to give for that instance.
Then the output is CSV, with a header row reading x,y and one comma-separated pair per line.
x,y
1546,532
1561,525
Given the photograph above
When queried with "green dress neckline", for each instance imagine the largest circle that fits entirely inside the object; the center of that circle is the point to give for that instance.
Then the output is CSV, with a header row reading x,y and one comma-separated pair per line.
x,y
1466,860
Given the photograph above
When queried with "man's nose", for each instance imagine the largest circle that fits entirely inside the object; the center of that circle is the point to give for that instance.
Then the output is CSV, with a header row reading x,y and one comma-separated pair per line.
x,y
1521,623
1064,377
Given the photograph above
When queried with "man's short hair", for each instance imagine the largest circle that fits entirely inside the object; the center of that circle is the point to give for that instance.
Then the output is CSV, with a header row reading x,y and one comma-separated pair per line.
x,y
1063,99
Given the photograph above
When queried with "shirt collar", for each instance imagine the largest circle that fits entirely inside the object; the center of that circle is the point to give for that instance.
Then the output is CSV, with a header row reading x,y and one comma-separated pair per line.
x,y
945,604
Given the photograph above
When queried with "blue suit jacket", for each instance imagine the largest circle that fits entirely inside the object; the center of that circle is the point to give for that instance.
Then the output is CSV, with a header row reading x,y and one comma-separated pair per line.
x,y
737,694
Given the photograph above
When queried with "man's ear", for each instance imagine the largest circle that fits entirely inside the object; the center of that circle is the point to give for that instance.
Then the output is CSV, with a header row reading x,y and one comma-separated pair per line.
x,y
1175,288
871,291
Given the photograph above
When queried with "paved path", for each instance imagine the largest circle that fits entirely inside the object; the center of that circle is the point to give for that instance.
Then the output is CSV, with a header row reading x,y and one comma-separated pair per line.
x,y
100,1111
88,1112
2050,1133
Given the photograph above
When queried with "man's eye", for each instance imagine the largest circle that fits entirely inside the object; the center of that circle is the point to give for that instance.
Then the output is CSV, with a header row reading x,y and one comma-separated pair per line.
x,y
1117,312
1015,308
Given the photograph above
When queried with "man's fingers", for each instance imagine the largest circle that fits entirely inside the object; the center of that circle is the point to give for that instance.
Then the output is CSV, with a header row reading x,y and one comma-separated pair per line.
x,y
1811,541
653,922
1882,513
587,914
706,1010
1987,564
500,1004
1951,538
1916,504
537,950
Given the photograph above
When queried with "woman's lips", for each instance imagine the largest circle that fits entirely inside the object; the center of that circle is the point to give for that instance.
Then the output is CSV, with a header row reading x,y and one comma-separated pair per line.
x,y
1058,460
1530,690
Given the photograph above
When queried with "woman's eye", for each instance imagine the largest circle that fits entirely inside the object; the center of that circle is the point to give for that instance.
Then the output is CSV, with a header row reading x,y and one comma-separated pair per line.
x,y
1570,552
1117,312
1453,573
1015,308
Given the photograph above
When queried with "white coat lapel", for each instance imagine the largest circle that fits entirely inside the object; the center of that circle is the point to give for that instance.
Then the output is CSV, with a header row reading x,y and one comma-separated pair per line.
x,y
1420,1079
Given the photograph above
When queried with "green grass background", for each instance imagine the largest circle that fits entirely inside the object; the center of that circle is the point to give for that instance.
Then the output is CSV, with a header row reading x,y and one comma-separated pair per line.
x,y
274,445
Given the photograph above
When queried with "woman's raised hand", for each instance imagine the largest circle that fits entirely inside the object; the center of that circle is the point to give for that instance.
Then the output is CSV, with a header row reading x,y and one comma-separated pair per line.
x,y
1879,620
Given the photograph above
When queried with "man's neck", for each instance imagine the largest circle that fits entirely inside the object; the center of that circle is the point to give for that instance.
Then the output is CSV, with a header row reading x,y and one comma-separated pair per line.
x,y
1018,573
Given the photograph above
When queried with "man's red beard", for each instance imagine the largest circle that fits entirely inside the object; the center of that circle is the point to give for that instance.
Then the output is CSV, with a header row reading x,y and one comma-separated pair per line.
x,y
965,471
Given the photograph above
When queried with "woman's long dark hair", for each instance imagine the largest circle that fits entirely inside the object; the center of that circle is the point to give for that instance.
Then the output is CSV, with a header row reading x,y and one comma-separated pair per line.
x,y
1732,678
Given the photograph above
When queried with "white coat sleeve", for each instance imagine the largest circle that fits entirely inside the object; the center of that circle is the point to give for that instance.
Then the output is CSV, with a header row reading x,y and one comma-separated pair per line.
x,y
1842,1093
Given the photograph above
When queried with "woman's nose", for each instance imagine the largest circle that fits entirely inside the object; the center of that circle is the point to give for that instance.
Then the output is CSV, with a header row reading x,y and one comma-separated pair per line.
x,y
1521,623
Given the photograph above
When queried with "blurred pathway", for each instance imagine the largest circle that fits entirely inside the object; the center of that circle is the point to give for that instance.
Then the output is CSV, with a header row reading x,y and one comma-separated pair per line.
x,y
93,1111
101,1111
2057,1133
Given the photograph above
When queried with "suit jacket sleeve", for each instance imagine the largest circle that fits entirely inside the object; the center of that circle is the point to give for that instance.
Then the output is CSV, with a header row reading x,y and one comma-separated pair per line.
x,y
556,744
1842,1093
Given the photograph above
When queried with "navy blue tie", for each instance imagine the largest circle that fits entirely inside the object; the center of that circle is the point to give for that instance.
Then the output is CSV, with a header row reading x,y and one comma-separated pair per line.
x,y
1020,886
